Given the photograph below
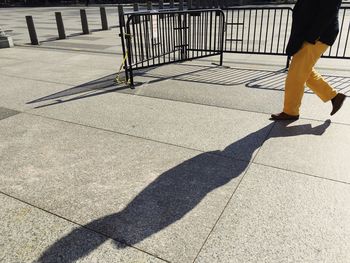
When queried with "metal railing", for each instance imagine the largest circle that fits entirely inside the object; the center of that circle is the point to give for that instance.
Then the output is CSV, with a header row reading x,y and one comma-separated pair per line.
x,y
340,47
161,37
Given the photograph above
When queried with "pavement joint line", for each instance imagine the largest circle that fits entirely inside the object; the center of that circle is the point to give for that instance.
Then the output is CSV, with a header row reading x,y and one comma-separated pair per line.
x,y
45,81
234,191
225,107
188,148
302,173
80,225
70,49
28,46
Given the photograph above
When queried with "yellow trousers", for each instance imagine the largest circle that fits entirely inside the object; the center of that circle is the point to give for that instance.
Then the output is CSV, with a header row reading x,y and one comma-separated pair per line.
x,y
302,71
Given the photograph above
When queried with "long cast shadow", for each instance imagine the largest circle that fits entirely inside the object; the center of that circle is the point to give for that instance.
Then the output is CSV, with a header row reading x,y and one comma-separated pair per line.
x,y
171,196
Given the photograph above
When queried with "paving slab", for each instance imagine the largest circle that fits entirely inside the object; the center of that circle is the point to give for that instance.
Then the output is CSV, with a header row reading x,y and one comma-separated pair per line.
x,y
314,108
72,58
188,125
27,232
65,74
281,216
209,85
17,92
162,199
311,147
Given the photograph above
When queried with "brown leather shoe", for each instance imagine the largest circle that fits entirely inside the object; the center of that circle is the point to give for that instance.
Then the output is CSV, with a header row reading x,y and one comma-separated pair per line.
x,y
283,117
337,102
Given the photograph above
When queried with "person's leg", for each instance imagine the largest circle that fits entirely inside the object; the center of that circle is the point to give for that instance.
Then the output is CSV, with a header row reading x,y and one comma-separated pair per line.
x,y
320,87
299,72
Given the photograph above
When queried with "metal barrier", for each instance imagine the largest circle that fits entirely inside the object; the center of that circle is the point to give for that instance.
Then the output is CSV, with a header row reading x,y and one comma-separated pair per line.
x,y
161,37
340,47
257,30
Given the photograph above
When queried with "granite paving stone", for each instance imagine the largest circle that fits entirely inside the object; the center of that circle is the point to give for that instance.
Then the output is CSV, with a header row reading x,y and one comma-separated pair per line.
x,y
28,232
162,199
193,126
281,216
311,147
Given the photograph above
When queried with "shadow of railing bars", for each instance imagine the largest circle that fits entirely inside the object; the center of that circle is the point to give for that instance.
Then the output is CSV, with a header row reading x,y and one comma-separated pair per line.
x,y
213,75
275,81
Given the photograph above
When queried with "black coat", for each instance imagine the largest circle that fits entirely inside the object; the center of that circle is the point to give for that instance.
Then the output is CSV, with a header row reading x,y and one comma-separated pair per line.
x,y
314,20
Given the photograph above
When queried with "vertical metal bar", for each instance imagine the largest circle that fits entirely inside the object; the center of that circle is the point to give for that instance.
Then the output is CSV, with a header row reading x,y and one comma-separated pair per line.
x,y
279,31
168,29
128,43
347,38
103,14
210,28
185,24
256,17
341,33
267,29
285,32
243,30
146,33
231,29
163,37
273,30
121,27
171,4
222,38
84,22
215,26
261,27
158,39
141,39
206,33
250,16
60,26
31,30
238,11
288,61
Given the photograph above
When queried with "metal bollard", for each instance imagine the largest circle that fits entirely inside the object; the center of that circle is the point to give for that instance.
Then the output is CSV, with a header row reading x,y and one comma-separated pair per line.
x,y
60,26
32,32
103,18
84,22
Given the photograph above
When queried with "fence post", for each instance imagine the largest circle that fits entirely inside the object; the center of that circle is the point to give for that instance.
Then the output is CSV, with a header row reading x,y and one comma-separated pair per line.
x,y
32,32
60,26
103,18
288,61
121,28
84,22
136,8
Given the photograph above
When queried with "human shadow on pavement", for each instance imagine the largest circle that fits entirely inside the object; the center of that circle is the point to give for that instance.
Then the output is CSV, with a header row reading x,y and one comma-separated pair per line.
x,y
171,196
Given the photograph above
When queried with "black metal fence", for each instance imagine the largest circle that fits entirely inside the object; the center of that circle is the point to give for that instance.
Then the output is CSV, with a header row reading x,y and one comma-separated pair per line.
x,y
163,37
160,37
340,48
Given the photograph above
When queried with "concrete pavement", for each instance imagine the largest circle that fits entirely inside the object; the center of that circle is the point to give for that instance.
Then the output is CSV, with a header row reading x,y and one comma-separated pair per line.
x,y
184,168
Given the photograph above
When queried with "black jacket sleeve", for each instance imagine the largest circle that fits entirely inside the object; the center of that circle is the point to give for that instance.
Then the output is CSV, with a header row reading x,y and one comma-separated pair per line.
x,y
325,15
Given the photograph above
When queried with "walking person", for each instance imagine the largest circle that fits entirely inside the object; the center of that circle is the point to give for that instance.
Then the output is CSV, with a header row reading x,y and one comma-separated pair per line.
x,y
315,28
